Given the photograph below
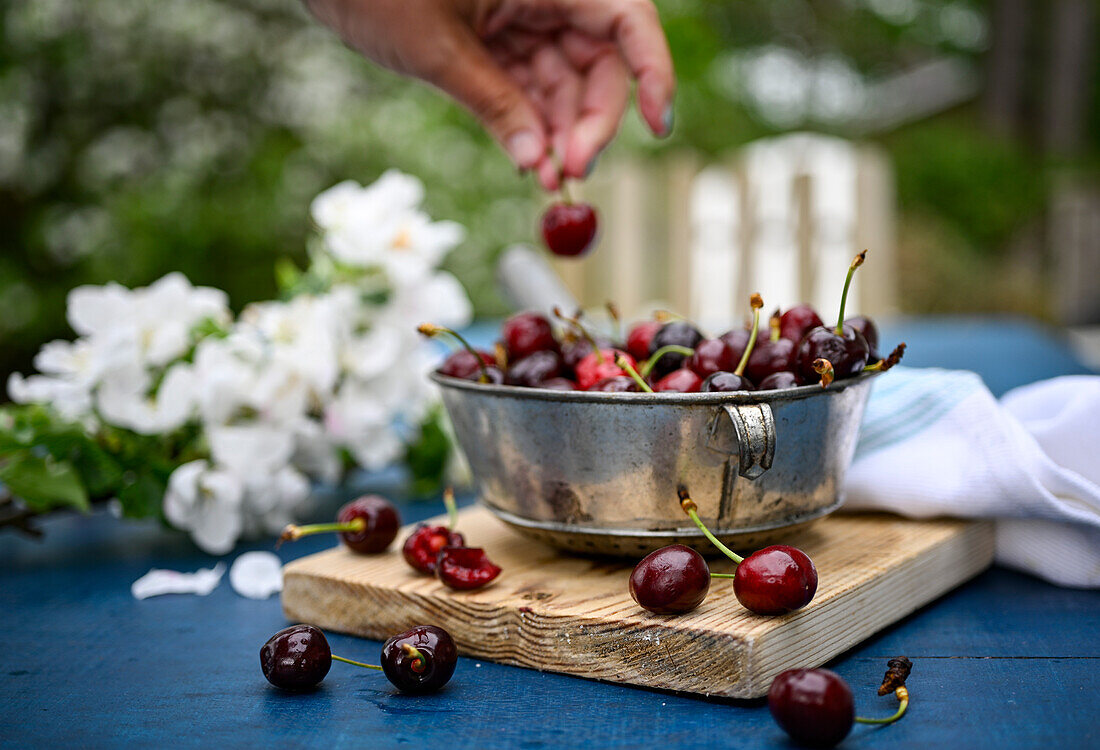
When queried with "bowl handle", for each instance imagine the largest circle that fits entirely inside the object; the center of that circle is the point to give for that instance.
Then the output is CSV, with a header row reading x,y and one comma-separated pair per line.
x,y
754,430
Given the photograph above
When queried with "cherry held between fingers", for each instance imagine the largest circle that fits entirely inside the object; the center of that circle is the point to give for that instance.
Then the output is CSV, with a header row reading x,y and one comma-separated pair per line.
x,y
569,229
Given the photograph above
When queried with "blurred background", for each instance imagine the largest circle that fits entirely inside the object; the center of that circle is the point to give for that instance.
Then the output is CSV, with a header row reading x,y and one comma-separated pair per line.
x,y
137,138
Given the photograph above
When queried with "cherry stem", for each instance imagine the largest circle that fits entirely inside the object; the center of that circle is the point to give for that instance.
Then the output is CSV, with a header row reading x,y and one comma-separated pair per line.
x,y
560,168
856,263
757,302
613,311
723,575
774,323
431,330
293,532
626,367
452,509
889,361
670,349
418,663
664,316
357,663
691,509
903,696
824,368
576,323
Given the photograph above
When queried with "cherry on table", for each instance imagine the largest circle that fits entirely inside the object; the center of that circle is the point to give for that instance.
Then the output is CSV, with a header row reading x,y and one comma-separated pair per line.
x,y
527,332
420,660
640,337
671,580
679,381
465,568
677,333
713,355
569,229
813,706
296,658
778,381
533,369
366,525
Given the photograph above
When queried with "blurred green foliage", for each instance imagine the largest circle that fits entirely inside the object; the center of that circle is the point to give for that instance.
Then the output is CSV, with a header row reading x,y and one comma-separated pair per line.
x,y
139,137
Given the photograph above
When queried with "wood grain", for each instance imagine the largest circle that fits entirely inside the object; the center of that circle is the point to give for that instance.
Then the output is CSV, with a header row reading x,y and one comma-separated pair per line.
x,y
574,615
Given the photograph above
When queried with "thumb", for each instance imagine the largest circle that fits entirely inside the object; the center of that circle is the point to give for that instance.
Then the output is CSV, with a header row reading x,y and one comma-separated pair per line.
x,y
475,80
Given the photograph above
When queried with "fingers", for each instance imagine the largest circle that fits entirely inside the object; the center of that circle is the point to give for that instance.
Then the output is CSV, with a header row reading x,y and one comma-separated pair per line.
x,y
603,103
560,85
476,80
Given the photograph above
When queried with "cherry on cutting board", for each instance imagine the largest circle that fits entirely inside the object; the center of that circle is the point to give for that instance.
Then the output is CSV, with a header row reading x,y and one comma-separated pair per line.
x,y
672,580
772,581
422,547
366,525
465,568
569,229
420,660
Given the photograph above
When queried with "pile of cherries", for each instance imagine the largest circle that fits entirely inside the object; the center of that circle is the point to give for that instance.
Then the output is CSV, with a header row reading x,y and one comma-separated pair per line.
x,y
666,355
369,524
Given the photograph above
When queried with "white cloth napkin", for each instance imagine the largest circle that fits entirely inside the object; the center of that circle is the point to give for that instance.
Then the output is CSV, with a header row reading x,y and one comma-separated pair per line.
x,y
937,443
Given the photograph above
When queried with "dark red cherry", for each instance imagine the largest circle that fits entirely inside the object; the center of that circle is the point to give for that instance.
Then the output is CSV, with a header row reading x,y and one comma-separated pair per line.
x,y
778,381
533,369
380,519
797,321
670,580
591,370
848,353
725,382
558,384
421,550
462,364
679,333
737,340
640,337
813,706
616,384
465,568
775,580
569,229
426,665
525,333
868,330
769,357
296,658
679,381
713,355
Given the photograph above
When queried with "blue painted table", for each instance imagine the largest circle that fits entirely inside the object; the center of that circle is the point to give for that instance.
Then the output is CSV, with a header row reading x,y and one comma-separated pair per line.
x,y
1004,661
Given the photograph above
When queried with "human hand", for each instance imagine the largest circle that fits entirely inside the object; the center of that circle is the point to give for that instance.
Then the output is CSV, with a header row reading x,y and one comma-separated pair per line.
x,y
540,75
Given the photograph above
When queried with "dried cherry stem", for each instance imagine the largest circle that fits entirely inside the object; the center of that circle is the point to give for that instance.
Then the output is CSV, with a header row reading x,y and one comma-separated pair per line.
x,y
903,697
293,532
357,663
452,509
889,361
856,263
418,663
665,316
774,323
688,505
576,323
431,330
613,312
626,367
756,301
670,349
824,368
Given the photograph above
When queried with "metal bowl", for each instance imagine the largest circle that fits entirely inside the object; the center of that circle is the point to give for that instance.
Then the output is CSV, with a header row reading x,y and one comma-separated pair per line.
x,y
597,473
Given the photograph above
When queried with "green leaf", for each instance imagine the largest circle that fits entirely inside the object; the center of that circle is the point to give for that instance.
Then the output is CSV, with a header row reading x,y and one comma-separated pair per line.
x,y
143,496
43,482
427,457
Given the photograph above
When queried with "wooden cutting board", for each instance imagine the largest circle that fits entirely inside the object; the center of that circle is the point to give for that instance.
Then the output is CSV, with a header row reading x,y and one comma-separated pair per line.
x,y
549,611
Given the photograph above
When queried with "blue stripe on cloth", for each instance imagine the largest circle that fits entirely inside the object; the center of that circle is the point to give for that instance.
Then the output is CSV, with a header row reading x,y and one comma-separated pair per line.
x,y
908,401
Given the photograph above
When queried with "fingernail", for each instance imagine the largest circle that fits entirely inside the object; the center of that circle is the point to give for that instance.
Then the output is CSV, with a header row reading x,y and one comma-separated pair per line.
x,y
667,120
524,148
591,166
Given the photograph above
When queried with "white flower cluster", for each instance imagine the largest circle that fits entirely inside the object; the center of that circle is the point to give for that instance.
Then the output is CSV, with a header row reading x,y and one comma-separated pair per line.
x,y
284,390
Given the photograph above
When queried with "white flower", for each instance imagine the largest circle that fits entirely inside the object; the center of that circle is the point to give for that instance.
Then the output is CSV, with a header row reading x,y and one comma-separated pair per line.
x,y
72,400
274,500
438,298
361,417
315,452
250,450
123,399
207,503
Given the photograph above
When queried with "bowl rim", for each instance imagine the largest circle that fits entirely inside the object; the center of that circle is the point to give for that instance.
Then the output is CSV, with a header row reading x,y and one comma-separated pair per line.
x,y
602,397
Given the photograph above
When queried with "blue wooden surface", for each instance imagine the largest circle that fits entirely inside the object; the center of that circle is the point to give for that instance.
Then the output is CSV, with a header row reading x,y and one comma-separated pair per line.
x,y
1004,661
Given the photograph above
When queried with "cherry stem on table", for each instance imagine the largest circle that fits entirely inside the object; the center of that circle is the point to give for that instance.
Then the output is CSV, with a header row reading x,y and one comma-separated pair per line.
x,y
431,330
293,532
626,367
691,509
452,509
357,663
576,323
903,696
411,651
856,263
670,349
757,302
